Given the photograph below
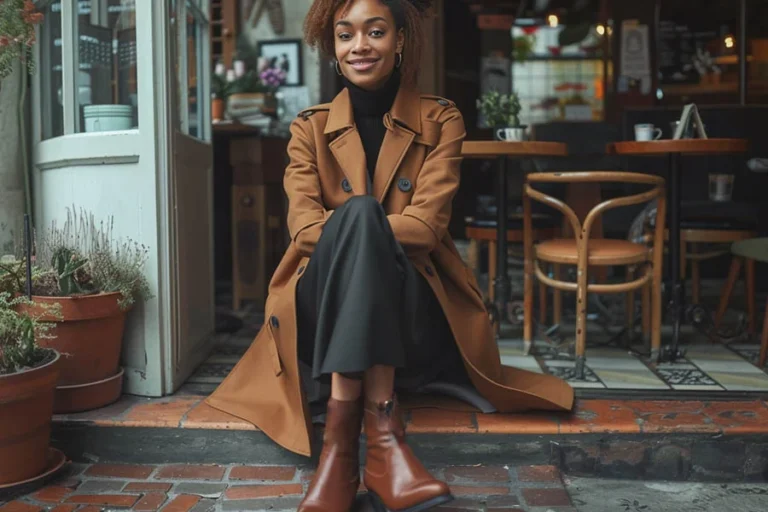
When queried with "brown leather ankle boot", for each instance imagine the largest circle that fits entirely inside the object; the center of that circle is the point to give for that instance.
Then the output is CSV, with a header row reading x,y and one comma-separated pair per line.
x,y
334,487
396,480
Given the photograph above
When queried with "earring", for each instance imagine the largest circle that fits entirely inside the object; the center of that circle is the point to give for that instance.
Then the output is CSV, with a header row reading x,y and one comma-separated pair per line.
x,y
400,61
338,68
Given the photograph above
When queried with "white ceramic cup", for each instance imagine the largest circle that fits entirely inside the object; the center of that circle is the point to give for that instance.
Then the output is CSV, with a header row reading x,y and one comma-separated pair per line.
x,y
511,134
645,132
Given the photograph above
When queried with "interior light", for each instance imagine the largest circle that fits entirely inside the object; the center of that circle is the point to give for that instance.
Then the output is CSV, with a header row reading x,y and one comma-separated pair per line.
x,y
600,29
553,20
730,41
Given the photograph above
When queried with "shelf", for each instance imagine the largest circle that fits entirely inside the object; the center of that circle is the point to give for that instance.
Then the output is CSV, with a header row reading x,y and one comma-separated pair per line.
x,y
563,58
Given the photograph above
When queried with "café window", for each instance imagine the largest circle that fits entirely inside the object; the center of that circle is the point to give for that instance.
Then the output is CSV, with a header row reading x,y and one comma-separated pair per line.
x,y
51,65
555,81
106,93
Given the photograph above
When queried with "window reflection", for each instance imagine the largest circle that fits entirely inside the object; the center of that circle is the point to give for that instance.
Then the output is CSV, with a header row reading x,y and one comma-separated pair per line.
x,y
106,90
51,72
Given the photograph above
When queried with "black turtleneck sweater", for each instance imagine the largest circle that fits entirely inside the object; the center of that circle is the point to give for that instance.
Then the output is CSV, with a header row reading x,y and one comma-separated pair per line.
x,y
369,108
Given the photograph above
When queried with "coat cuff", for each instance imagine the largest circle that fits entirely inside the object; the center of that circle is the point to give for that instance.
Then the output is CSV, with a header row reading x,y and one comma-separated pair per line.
x,y
414,234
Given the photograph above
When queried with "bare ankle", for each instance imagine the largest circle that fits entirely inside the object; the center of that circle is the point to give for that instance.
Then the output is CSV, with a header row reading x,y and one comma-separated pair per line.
x,y
345,389
379,383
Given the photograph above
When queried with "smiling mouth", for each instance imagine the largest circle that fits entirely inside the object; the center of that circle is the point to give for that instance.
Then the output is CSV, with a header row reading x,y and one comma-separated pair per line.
x,y
362,64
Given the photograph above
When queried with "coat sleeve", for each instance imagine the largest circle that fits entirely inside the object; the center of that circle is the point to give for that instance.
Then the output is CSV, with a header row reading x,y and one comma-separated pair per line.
x,y
306,211
424,221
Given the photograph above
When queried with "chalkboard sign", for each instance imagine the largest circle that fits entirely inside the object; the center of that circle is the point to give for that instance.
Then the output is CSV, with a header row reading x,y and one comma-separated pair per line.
x,y
677,49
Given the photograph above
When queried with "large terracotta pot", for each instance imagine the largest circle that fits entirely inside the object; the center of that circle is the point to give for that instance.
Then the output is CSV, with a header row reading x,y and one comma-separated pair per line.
x,y
26,407
89,336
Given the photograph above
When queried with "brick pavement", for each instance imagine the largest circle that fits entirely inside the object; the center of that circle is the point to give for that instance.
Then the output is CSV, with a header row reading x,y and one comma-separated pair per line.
x,y
203,488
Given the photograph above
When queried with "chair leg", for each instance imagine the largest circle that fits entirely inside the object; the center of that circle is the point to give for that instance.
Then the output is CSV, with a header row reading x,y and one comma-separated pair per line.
x,y
629,306
695,276
750,282
491,269
654,290
557,298
528,303
647,310
542,304
581,322
764,339
725,297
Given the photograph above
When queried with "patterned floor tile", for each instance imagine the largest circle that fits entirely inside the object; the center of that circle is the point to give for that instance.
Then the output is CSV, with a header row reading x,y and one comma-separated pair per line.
x,y
523,362
741,381
566,370
629,379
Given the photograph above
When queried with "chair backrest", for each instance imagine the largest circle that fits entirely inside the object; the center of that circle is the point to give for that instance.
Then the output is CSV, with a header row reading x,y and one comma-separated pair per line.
x,y
582,230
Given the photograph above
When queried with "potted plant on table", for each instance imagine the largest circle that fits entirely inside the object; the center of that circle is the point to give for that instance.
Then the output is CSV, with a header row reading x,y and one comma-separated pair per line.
x,y
501,112
95,281
28,376
220,89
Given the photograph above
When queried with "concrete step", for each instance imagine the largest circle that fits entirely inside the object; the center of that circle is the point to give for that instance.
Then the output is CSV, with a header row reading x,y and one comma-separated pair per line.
x,y
669,440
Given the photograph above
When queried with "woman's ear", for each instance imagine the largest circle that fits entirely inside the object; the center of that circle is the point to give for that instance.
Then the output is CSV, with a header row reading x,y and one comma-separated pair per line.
x,y
400,40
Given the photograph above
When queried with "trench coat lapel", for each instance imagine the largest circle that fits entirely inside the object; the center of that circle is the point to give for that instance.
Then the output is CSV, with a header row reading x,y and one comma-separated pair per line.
x,y
347,148
403,122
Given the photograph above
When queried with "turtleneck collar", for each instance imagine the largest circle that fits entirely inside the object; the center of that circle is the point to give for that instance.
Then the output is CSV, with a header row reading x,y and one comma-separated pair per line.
x,y
374,103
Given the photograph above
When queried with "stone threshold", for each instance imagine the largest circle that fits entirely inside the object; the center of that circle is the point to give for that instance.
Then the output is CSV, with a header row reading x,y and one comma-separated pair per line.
x,y
668,440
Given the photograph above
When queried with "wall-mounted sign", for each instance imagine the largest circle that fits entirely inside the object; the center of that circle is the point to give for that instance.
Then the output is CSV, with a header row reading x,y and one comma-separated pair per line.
x,y
495,22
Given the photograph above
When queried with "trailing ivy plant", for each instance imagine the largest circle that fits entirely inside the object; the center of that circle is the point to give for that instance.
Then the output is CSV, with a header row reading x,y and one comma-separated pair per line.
x,y
17,34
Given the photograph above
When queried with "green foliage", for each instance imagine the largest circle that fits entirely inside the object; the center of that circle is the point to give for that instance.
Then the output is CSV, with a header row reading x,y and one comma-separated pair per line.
x,y
17,34
522,47
67,264
83,258
500,110
18,334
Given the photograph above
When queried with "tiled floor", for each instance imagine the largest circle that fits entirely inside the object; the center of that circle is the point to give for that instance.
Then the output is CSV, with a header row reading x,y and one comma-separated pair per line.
x,y
706,367
204,488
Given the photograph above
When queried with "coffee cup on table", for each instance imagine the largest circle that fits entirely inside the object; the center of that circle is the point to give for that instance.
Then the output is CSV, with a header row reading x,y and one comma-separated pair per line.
x,y
646,131
516,134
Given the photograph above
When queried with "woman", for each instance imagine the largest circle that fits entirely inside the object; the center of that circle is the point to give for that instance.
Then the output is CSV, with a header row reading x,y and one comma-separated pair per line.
x,y
371,293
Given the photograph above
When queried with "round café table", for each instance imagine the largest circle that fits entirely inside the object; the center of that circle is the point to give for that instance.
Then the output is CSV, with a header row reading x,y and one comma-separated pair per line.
x,y
502,151
674,149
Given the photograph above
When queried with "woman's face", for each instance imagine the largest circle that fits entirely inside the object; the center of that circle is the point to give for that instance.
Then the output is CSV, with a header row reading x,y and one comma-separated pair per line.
x,y
367,41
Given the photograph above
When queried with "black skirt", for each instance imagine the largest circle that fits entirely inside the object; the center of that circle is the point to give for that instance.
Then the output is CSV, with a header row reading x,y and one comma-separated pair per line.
x,y
361,303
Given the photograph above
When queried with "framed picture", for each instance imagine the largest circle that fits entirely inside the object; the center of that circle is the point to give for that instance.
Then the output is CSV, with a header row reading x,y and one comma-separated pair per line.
x,y
285,54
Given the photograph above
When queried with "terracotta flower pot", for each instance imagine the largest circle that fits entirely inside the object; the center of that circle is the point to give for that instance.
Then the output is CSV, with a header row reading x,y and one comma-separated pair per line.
x,y
89,336
217,109
26,407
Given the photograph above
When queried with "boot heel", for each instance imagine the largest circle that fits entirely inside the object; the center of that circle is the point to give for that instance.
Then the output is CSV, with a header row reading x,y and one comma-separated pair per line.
x,y
376,503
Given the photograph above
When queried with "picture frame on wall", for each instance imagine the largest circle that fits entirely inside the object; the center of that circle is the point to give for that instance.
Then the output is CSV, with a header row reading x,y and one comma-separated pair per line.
x,y
287,55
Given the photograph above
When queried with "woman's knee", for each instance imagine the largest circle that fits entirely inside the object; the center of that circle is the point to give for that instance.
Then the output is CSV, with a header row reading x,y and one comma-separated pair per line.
x,y
366,206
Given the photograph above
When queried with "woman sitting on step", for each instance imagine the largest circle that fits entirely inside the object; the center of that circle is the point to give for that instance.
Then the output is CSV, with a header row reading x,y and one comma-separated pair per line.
x,y
371,295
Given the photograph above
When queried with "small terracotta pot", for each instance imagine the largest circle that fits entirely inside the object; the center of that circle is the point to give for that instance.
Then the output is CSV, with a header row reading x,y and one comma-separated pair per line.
x,y
89,337
217,109
26,407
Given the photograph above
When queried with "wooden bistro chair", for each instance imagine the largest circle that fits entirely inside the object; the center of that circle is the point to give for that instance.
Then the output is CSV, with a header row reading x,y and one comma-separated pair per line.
x,y
747,252
585,252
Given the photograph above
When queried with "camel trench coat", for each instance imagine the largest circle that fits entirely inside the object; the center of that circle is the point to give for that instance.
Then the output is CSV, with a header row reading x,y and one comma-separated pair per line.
x,y
416,178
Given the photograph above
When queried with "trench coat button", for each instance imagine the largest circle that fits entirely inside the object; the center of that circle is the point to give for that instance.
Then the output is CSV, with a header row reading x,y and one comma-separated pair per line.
x,y
429,271
274,321
301,270
345,186
404,185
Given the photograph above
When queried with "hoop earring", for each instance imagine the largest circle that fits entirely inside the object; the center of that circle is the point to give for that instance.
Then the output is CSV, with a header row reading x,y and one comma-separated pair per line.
x,y
338,68
400,61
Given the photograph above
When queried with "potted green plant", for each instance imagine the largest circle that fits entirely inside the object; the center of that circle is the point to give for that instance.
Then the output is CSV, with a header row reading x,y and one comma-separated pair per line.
x,y
501,113
95,281
522,47
220,90
28,376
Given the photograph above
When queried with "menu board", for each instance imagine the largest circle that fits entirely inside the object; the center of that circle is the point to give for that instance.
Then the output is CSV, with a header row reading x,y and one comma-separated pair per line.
x,y
677,50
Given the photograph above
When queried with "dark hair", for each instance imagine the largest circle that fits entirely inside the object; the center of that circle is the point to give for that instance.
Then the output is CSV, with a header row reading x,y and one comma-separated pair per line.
x,y
409,15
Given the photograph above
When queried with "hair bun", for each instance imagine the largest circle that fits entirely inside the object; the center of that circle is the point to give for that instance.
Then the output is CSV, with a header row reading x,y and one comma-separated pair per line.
x,y
421,5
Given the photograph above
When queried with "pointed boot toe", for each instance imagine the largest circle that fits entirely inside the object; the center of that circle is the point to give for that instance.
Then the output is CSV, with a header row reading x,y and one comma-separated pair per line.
x,y
397,481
